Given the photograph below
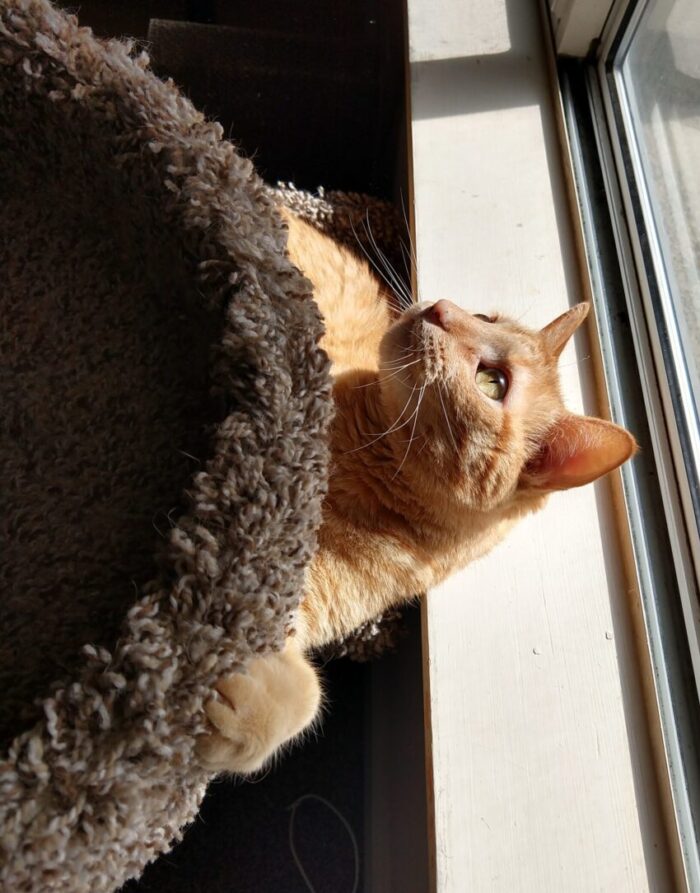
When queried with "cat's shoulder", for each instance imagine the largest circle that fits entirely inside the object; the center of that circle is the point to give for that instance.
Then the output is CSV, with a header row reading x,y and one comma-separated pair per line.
x,y
355,306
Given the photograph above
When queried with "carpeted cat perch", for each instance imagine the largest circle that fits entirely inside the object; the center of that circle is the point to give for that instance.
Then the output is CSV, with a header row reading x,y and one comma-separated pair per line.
x,y
162,395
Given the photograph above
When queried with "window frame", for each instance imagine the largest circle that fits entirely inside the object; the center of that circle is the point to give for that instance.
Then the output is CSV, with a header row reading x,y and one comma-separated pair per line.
x,y
656,306
594,88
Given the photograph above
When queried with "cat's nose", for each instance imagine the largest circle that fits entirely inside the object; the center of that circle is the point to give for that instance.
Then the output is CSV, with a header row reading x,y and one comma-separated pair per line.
x,y
442,313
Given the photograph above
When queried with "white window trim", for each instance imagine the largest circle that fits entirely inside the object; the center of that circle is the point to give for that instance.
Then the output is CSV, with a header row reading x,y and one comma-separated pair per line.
x,y
541,775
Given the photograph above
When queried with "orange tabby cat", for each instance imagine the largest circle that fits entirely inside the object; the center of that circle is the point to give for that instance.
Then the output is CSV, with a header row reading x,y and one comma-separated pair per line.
x,y
449,427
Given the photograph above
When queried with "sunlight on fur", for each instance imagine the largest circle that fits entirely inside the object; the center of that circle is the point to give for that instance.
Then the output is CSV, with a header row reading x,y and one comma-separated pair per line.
x,y
449,427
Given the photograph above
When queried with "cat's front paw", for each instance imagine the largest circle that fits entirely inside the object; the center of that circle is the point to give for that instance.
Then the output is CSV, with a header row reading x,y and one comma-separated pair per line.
x,y
255,712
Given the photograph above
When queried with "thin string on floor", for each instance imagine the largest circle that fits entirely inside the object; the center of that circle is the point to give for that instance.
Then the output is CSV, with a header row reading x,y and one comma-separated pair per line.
x,y
297,861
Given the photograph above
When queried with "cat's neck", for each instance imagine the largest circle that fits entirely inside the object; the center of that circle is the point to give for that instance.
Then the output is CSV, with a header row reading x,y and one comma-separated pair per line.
x,y
382,541
371,480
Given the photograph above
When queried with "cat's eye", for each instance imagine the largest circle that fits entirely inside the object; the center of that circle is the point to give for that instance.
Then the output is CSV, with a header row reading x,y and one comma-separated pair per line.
x,y
484,317
492,382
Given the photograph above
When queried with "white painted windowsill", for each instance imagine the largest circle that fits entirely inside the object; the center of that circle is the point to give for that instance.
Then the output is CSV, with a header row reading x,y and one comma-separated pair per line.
x,y
539,759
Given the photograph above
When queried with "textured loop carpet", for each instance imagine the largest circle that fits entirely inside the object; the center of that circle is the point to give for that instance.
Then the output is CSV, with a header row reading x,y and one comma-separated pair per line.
x,y
162,446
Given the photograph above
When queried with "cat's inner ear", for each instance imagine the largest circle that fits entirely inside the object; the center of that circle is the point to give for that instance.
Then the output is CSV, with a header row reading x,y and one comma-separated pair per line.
x,y
575,451
558,332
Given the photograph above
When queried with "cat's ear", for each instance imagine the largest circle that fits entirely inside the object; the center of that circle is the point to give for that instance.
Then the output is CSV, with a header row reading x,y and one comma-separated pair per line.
x,y
575,451
558,332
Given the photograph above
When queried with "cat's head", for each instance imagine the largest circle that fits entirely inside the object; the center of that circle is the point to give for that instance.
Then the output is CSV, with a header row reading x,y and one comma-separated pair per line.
x,y
478,401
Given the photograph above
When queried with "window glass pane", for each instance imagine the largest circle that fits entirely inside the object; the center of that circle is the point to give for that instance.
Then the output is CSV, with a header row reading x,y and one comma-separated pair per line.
x,y
661,74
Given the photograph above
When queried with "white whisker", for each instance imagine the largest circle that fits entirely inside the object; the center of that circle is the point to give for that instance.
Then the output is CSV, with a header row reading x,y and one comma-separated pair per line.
x,y
398,284
444,409
413,431
413,356
411,251
407,258
382,378
408,351
373,263
575,363
393,427
389,368
426,441
524,313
